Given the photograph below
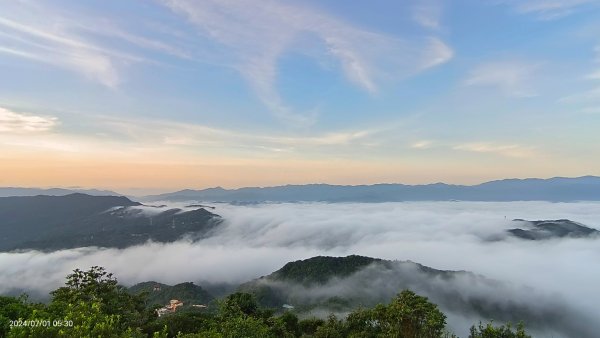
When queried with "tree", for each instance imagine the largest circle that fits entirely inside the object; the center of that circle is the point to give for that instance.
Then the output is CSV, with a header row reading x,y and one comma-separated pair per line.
x,y
91,304
12,308
248,327
83,319
309,326
502,331
407,316
98,286
239,303
332,328
289,322
180,322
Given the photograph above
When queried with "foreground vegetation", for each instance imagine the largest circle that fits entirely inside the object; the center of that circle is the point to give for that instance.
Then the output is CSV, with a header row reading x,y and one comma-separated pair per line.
x,y
92,304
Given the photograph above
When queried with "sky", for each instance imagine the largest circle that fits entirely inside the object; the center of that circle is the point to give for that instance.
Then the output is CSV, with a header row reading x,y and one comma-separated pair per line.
x,y
159,95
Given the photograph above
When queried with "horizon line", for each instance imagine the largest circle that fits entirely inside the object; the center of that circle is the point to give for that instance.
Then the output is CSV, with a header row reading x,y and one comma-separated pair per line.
x,y
161,191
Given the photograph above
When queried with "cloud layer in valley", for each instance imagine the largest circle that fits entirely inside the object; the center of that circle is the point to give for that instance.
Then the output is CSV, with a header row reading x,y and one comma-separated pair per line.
x,y
256,240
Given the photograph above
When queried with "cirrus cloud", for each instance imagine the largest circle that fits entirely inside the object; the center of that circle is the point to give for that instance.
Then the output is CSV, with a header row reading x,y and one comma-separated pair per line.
x,y
511,78
257,37
13,122
509,150
549,9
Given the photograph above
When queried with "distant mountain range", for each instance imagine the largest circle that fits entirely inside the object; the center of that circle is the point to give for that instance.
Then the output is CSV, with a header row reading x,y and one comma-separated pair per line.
x,y
79,220
558,189
12,191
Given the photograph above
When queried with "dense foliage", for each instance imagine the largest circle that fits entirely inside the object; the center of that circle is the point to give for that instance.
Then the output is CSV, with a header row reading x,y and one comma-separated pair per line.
x,y
160,294
320,269
93,304
503,331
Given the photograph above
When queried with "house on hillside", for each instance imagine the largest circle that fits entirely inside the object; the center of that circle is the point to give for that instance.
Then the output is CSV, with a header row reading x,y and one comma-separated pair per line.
x,y
170,308
174,304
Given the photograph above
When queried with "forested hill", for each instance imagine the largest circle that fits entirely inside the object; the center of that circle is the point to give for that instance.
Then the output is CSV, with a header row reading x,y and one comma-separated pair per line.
x,y
342,284
68,207
78,220
321,269
296,282
549,229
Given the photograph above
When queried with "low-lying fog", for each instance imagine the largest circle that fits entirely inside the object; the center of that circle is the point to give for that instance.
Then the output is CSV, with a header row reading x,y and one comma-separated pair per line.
x,y
258,239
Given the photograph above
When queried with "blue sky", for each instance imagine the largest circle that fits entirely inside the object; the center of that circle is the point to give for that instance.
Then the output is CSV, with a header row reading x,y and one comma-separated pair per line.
x,y
166,94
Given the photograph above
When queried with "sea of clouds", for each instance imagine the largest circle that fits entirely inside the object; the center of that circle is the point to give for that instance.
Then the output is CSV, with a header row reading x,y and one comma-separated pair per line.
x,y
255,240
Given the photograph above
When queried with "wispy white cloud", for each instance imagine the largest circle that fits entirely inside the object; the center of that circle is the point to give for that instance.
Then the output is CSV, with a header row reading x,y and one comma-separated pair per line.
x,y
586,96
424,144
512,78
61,49
258,36
549,9
193,135
508,150
122,136
591,110
594,75
75,41
13,122
428,14
501,149
111,30
41,144
589,95
248,38
438,52
20,53
335,138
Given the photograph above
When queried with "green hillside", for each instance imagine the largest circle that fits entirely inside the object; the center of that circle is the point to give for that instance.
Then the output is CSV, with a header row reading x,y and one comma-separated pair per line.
x,y
321,268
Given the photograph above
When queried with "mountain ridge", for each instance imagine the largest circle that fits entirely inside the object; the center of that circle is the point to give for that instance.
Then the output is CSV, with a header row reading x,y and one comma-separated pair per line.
x,y
556,189
80,220
20,191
